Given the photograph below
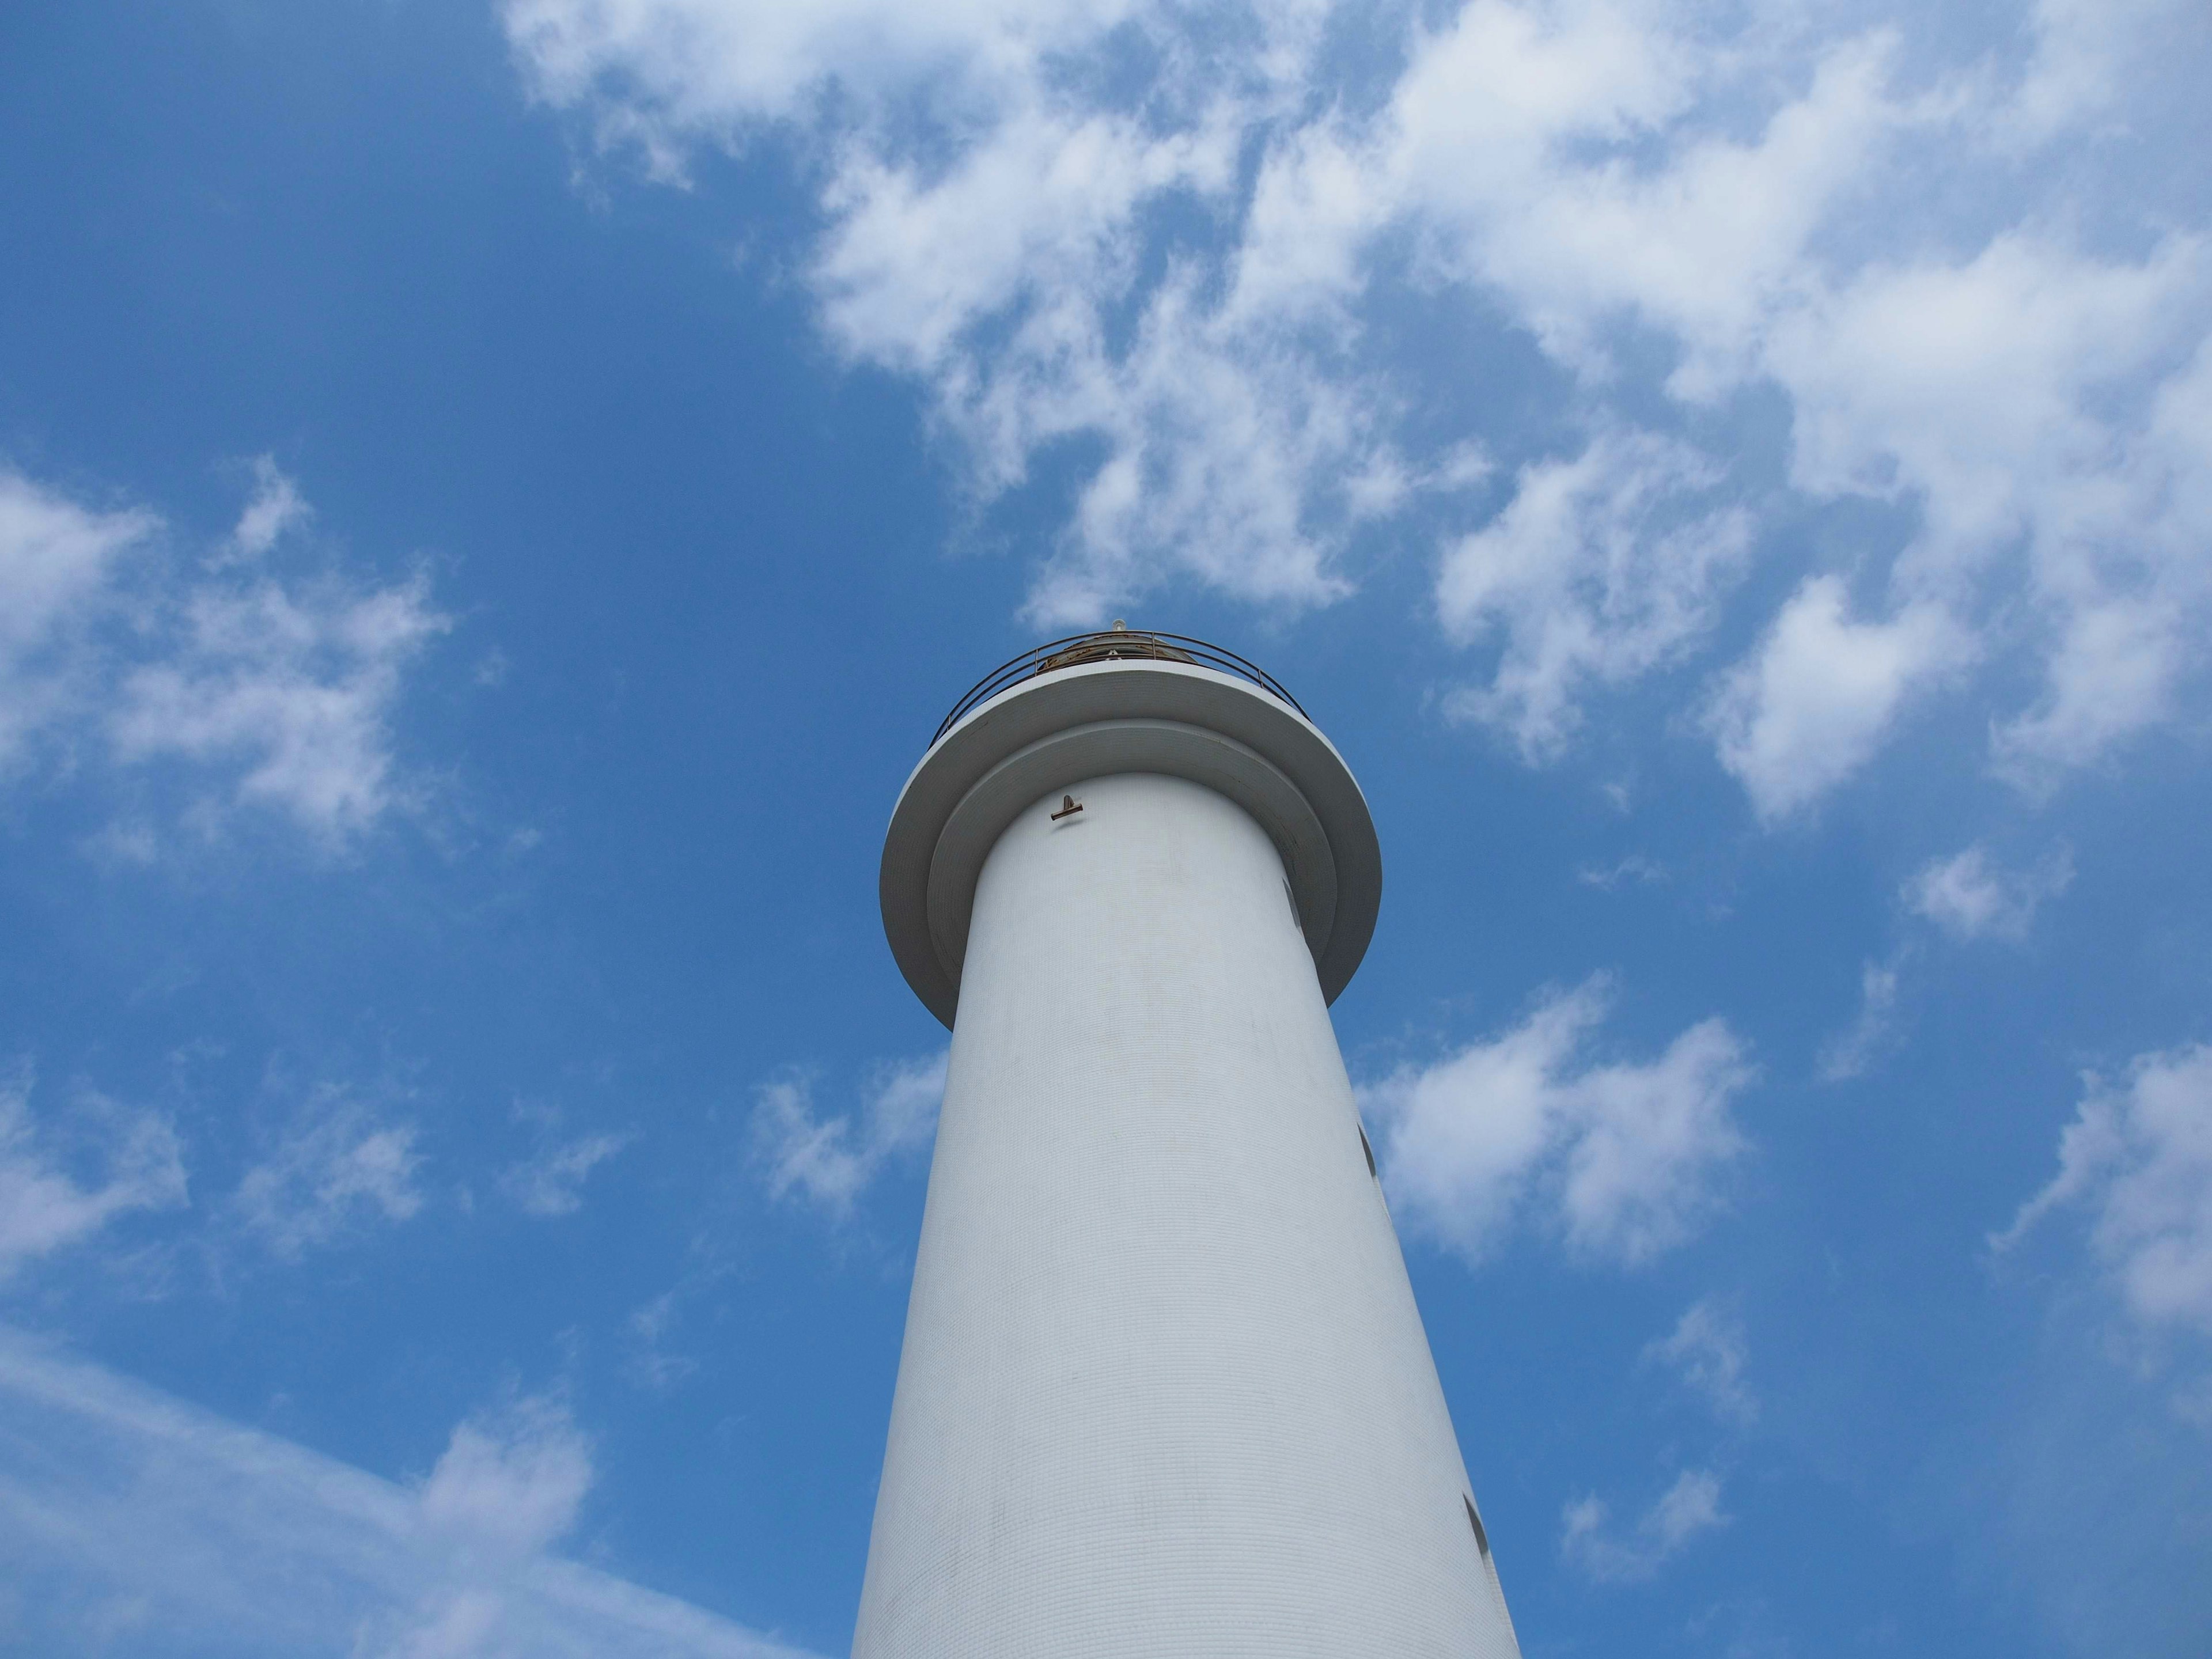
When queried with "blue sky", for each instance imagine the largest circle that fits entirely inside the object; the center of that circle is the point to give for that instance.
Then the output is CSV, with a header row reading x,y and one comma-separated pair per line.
x,y
493,499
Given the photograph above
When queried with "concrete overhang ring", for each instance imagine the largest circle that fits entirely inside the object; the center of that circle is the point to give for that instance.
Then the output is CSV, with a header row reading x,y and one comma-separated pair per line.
x,y
1047,733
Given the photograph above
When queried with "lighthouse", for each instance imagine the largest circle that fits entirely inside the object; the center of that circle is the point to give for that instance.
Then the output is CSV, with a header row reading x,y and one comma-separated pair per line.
x,y
1165,1392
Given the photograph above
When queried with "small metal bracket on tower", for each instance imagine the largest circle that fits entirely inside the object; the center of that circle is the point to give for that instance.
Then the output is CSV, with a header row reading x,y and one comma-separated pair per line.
x,y
1068,804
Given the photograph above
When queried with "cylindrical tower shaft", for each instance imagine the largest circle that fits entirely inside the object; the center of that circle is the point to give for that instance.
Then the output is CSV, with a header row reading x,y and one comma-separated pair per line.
x,y
1164,1389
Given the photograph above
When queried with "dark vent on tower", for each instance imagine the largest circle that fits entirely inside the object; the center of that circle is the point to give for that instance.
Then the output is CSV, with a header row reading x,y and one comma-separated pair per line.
x,y
1481,1537
1366,1148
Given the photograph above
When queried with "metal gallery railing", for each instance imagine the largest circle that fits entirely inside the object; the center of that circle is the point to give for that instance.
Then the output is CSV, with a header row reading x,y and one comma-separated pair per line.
x,y
1115,644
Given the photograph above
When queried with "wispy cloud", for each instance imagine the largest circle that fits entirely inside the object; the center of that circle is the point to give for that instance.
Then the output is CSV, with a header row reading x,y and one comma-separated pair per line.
x,y
826,1163
59,560
275,508
2138,1159
1688,1508
1851,1052
135,1523
1635,867
1969,897
1818,697
1600,568
288,690
1619,1159
1966,896
1708,1351
340,1165
45,1205
651,1362
507,1487
261,687
1190,280
550,1182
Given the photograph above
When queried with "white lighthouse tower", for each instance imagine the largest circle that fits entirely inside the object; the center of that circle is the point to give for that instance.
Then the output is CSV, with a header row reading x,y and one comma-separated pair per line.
x,y
1165,1394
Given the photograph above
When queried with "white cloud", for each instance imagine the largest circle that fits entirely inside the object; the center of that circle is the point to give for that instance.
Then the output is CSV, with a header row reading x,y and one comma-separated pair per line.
x,y
1850,1052
1188,282
1689,1507
550,1182
338,1166
510,1483
650,1362
1221,460
59,561
2113,671
1820,693
1968,897
665,73
826,1164
2022,396
1619,1160
273,689
1973,382
1635,867
2138,1159
2123,594
1598,569
44,1206
134,1523
509,1487
1707,1350
2085,51
997,258
290,689
1594,162
275,507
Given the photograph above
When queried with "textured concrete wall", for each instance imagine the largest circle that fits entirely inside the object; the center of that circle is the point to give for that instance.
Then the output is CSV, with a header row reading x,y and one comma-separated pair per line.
x,y
1165,1390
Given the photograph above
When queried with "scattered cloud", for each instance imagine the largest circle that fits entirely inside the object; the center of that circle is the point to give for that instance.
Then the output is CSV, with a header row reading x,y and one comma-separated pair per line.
x,y
1816,698
1688,1508
1635,867
266,688
275,507
1968,897
2138,1159
288,689
1851,1052
135,1523
1620,1160
2085,51
60,563
48,1200
509,1487
1708,1351
1228,290
550,1182
338,1166
650,1362
825,1163
1598,569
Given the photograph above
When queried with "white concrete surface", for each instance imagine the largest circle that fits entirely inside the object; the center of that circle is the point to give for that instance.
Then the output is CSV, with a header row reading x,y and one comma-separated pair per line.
x,y
1043,733
1165,1390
